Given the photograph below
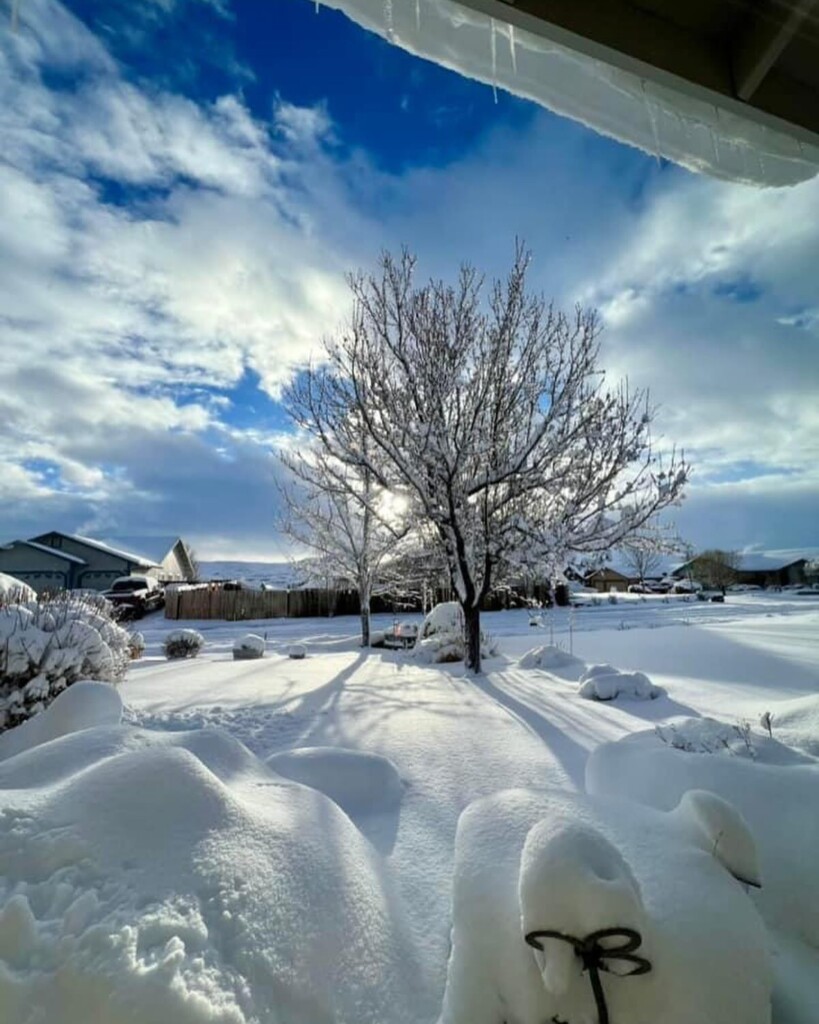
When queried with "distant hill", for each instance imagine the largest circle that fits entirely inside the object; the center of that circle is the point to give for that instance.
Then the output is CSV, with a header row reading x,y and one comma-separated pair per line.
x,y
277,574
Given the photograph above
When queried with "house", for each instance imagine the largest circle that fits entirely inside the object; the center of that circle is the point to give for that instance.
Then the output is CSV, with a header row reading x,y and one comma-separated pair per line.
x,y
57,561
758,570
41,567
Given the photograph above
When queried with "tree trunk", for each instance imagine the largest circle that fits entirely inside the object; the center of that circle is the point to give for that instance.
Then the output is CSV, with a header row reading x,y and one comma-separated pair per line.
x,y
364,600
472,638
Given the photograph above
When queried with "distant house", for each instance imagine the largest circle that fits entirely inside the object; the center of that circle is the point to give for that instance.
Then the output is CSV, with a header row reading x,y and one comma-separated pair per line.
x,y
617,573
57,561
759,570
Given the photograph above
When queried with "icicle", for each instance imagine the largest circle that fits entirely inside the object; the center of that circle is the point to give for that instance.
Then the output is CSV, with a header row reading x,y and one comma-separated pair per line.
x,y
652,120
494,47
714,140
418,16
15,15
512,49
389,23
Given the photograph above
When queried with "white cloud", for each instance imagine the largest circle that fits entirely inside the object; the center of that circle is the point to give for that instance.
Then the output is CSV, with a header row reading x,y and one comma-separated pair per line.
x,y
111,311
117,318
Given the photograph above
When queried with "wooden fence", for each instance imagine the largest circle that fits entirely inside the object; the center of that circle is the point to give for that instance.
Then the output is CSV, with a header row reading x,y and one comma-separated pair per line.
x,y
213,602
233,605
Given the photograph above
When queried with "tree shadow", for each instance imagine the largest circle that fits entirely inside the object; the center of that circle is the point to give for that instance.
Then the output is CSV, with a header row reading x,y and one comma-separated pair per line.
x,y
566,750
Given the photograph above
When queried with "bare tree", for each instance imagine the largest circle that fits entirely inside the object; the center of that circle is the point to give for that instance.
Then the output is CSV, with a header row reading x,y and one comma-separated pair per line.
x,y
716,568
337,510
643,552
486,410
642,560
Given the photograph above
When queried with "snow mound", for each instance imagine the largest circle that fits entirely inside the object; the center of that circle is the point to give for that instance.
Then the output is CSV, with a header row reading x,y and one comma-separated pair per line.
x,y
359,782
297,651
604,682
553,659
441,636
796,723
532,861
708,736
149,877
14,590
443,618
780,802
248,647
82,706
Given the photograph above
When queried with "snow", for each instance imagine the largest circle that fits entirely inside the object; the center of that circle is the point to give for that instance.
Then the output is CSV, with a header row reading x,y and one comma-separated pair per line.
x,y
660,119
174,866
553,659
604,682
359,782
84,705
780,802
530,860
796,723
240,876
12,589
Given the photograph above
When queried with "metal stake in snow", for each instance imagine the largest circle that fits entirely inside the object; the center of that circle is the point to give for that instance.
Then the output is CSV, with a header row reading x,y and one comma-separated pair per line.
x,y
596,958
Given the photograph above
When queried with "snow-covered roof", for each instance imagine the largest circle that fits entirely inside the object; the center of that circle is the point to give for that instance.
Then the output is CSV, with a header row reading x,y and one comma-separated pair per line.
x,y
108,549
633,101
757,562
153,548
53,551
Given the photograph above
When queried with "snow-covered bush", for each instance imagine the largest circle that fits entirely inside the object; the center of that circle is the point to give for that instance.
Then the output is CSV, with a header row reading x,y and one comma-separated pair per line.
x,y
604,682
48,644
14,591
136,645
708,736
297,651
248,647
183,643
441,636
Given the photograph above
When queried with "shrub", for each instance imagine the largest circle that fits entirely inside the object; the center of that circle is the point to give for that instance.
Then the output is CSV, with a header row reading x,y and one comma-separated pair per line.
x,y
136,645
183,643
49,643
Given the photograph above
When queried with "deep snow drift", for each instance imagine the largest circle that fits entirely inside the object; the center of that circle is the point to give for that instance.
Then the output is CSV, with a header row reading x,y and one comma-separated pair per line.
x,y
155,877
529,861
162,869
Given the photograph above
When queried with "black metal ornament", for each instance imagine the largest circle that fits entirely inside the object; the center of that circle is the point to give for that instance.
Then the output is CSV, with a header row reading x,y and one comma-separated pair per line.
x,y
596,958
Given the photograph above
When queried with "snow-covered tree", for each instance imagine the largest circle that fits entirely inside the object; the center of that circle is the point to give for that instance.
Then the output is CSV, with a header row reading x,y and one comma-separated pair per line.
x,y
341,513
485,408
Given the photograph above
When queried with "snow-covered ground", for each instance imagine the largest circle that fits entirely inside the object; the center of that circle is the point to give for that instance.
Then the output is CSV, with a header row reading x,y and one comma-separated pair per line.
x,y
169,871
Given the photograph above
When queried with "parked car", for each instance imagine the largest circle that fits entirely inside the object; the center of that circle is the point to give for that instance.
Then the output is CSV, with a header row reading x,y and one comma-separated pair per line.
x,y
135,595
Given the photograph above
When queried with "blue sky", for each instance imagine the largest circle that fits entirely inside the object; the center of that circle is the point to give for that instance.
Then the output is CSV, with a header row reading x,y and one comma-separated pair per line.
x,y
183,185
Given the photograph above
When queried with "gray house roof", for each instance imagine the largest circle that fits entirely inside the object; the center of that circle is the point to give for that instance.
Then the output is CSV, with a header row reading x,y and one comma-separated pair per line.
x,y
128,556
56,552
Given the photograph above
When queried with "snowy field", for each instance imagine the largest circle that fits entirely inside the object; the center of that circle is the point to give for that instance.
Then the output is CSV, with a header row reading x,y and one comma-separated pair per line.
x,y
165,872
